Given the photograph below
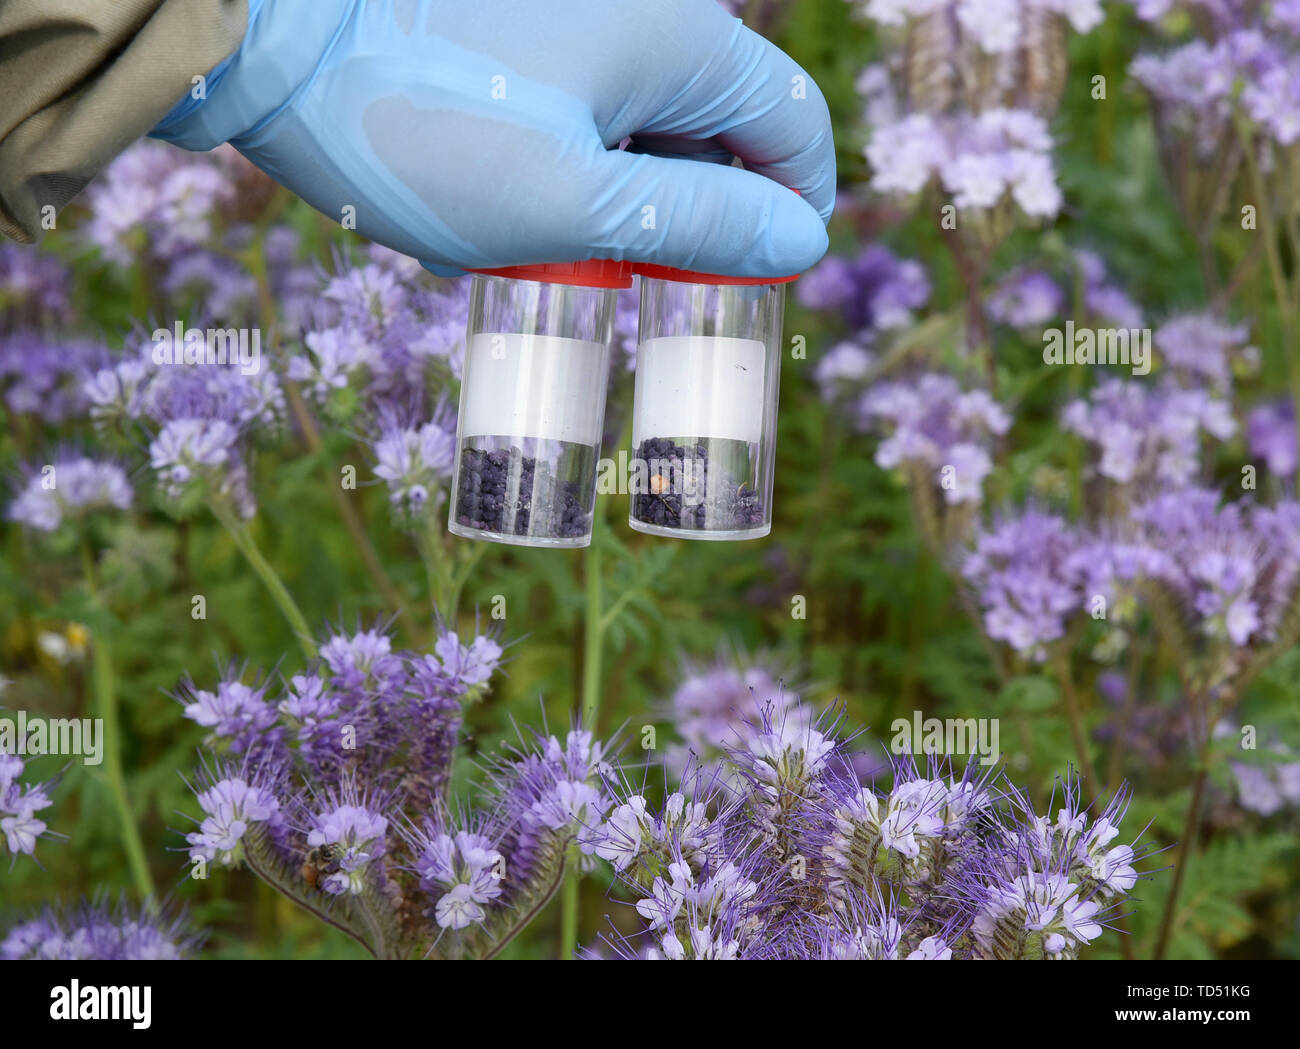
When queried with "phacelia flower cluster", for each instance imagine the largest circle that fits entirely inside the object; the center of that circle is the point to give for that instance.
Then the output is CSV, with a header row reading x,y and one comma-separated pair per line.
x,y
1202,350
160,203
790,857
381,336
980,161
202,415
993,27
1233,567
1031,298
33,288
932,426
1252,60
1271,437
1268,783
717,704
951,55
95,931
1026,580
43,375
71,487
335,790
20,828
416,461
1229,571
876,291
1148,435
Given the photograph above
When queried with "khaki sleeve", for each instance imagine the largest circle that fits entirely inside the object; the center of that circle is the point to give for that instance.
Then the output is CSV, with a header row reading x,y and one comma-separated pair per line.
x,y
80,80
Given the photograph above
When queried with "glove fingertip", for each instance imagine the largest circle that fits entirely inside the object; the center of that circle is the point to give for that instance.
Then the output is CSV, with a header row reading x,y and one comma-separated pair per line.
x,y
439,270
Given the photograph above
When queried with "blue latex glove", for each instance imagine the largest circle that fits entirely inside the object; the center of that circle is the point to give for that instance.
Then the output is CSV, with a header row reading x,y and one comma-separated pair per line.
x,y
483,133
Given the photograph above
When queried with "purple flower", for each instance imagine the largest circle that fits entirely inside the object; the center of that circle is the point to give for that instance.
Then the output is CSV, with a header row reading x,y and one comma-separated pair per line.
x,y
1026,299
235,712
161,202
993,26
1201,348
1272,98
627,316
551,792
875,291
416,461
841,370
33,287
932,424
1195,85
1256,789
1148,435
463,871
1023,575
1109,562
905,155
1271,434
1055,884
463,668
359,748
352,834
201,419
831,284
1235,567
94,931
363,658
720,704
71,486
1102,298
224,287
19,804
379,335
797,860
338,357
197,458
981,160
233,802
45,376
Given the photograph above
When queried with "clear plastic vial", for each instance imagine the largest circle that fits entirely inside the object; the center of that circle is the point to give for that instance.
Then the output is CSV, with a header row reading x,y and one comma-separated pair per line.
x,y
708,371
532,402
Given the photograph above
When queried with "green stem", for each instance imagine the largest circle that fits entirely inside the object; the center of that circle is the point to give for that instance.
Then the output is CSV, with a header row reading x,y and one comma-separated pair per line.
x,y
1277,275
1202,720
524,919
106,703
593,644
1190,825
1075,717
569,914
462,574
444,592
243,539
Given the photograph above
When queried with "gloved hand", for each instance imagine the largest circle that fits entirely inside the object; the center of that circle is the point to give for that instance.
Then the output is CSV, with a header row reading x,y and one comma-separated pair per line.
x,y
484,133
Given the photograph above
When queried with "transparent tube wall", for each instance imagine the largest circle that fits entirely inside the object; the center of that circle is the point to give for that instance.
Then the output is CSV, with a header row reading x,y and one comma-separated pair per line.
x,y
532,408
704,415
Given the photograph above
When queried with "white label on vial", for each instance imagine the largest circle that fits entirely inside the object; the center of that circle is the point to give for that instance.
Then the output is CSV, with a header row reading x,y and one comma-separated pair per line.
x,y
699,386
540,386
